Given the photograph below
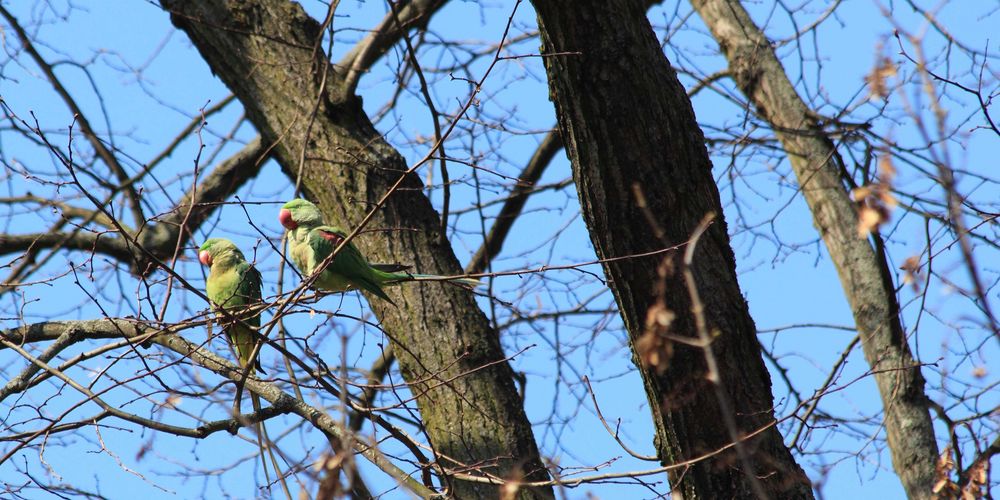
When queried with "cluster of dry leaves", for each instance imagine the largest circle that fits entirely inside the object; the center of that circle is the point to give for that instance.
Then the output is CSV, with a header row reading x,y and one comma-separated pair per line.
x,y
654,348
884,69
944,488
875,200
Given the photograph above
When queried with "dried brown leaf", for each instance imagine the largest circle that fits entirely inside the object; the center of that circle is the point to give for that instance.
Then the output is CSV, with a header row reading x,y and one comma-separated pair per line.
x,y
860,193
944,487
653,348
868,219
911,272
877,79
886,169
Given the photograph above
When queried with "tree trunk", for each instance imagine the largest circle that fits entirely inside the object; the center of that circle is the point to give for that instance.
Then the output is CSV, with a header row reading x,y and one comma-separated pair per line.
x,y
864,275
627,122
264,51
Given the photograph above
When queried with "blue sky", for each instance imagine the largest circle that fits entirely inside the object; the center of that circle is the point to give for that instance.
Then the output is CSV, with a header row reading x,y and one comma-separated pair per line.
x,y
152,82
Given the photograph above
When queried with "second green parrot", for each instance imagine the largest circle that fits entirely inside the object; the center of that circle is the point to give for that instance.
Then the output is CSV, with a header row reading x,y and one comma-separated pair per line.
x,y
311,242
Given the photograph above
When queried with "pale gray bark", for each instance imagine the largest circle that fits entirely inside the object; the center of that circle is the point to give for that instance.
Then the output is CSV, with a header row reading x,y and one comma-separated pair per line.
x,y
864,275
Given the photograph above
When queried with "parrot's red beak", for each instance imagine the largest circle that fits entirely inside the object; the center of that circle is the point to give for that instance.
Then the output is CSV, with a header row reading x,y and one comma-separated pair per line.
x,y
205,258
285,218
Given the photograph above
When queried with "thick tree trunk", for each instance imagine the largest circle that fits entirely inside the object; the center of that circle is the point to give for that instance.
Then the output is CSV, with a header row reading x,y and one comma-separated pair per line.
x,y
864,275
264,51
627,122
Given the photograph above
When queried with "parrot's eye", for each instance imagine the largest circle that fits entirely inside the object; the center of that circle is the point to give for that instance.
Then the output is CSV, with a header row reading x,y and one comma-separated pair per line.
x,y
205,258
285,218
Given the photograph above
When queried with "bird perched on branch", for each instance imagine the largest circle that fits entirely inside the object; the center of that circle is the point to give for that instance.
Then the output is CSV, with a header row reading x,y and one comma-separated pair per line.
x,y
233,285
311,243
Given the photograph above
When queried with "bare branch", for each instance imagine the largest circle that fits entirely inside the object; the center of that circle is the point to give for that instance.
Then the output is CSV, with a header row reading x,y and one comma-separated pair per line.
x,y
388,32
511,209
103,152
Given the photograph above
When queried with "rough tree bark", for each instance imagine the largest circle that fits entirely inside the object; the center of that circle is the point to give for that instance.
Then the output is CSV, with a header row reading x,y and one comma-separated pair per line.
x,y
265,51
864,275
627,122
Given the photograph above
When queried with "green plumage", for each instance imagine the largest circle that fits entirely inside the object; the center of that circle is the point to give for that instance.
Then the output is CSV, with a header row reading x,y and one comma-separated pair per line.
x,y
349,269
233,284
311,242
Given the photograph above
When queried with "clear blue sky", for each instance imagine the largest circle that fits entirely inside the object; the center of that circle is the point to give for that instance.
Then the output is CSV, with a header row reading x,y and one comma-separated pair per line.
x,y
152,82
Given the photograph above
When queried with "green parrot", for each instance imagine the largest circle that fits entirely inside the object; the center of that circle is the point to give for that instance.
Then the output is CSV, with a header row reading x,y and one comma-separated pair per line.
x,y
233,284
311,242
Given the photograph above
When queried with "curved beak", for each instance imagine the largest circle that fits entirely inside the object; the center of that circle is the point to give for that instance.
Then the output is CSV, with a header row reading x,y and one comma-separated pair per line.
x,y
205,258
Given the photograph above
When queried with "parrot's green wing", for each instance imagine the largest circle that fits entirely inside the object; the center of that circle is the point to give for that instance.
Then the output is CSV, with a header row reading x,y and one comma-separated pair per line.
x,y
348,269
249,289
234,289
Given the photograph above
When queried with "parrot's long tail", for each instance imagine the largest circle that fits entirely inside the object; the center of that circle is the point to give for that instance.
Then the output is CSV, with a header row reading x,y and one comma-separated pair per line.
x,y
265,442
458,280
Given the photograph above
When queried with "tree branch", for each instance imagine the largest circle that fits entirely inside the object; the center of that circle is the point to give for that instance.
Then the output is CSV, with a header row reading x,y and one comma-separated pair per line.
x,y
174,227
103,152
200,202
141,332
511,209
388,32
864,275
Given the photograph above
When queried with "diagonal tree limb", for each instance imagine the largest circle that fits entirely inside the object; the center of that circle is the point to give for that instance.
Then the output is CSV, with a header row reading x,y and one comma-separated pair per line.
x,y
200,202
102,151
167,338
864,275
511,209
349,168
389,31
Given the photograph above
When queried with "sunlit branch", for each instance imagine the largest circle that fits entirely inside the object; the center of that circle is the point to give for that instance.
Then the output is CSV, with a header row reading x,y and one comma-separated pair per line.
x,y
388,32
103,152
